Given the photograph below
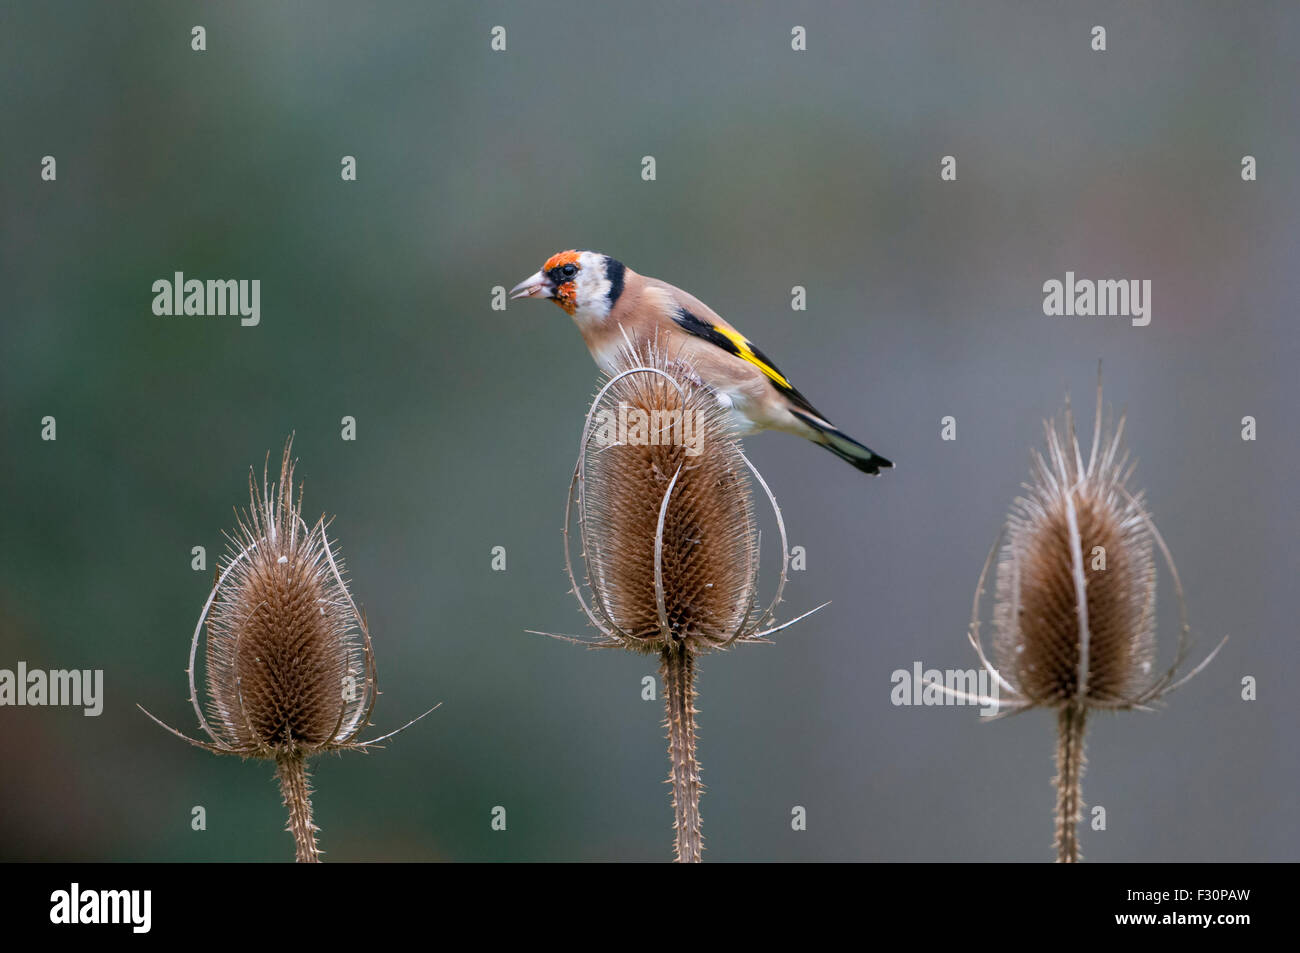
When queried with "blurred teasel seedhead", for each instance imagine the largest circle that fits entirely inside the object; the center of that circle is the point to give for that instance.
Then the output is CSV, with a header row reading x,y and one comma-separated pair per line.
x,y
669,534
290,671
1074,615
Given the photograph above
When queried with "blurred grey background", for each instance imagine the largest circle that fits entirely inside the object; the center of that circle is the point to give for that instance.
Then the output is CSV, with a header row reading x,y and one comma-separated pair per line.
x,y
775,168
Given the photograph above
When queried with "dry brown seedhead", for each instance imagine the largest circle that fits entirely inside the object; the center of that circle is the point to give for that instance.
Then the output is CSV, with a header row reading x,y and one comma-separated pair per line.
x,y
1075,609
667,524
285,642
692,581
290,671
668,530
1076,582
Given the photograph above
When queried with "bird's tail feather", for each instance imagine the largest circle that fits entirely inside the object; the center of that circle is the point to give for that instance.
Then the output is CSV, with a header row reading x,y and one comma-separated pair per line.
x,y
844,446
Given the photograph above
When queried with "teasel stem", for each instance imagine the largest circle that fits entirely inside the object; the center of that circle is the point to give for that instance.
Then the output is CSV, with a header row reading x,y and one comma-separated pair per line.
x,y
677,669
291,769
1071,723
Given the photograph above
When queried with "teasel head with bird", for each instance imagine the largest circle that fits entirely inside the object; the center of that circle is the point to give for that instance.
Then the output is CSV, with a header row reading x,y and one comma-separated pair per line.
x,y
670,539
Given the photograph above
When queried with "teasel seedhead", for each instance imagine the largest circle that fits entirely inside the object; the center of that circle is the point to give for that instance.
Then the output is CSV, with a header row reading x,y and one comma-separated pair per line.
x,y
667,524
668,530
290,670
1075,608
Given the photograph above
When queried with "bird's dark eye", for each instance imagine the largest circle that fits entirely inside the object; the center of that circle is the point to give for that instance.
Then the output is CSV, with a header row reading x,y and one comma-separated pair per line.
x,y
569,271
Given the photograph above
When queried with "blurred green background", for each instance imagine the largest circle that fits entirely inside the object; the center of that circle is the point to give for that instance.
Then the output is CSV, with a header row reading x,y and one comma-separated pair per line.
x,y
774,169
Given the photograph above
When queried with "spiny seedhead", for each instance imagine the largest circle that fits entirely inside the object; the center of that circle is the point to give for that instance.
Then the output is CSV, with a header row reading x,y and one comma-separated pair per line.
x,y
290,669
1076,581
1075,608
666,511
288,664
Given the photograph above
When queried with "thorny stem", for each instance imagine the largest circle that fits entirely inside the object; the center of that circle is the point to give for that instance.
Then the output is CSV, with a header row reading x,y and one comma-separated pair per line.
x,y
677,669
1070,726
291,769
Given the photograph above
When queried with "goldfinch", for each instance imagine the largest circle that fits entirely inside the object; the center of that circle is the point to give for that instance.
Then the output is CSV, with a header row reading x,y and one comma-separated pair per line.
x,y
613,306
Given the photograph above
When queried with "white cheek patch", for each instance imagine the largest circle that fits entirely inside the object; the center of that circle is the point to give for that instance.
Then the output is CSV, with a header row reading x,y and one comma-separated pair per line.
x,y
592,292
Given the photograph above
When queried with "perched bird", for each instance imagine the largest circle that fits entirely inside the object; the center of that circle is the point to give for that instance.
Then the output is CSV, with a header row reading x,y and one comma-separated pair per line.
x,y
613,306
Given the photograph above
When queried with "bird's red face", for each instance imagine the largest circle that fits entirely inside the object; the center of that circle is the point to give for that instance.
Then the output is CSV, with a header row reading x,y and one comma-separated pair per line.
x,y
558,280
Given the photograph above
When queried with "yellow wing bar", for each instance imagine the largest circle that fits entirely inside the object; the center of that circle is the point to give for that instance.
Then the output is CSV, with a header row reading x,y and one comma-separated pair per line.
x,y
747,351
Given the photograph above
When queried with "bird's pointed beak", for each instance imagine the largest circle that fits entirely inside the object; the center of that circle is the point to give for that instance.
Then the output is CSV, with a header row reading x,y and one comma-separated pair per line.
x,y
535,286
